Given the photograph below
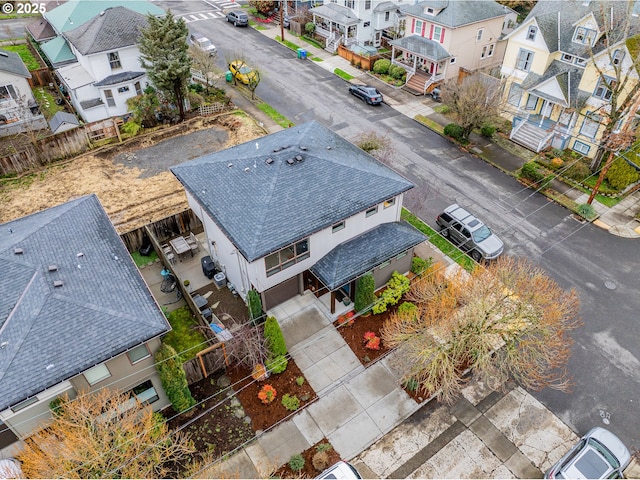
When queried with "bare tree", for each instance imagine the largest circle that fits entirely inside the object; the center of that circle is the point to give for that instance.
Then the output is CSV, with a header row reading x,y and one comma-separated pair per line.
x,y
378,146
475,100
204,65
506,320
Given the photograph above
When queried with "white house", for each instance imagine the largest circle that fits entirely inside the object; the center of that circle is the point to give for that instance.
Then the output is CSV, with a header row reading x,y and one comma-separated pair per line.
x,y
301,209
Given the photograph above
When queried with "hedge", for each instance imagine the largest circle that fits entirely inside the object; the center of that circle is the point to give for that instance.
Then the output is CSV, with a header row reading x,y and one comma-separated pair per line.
x,y
275,340
365,293
173,378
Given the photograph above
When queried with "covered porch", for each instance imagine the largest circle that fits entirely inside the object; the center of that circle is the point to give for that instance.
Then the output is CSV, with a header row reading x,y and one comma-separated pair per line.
x,y
422,58
336,24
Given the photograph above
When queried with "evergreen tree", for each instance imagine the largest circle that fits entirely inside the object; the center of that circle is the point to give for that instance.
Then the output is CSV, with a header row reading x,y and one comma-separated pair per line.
x,y
164,48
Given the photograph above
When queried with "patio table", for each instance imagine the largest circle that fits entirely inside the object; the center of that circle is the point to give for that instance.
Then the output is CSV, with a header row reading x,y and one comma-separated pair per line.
x,y
180,245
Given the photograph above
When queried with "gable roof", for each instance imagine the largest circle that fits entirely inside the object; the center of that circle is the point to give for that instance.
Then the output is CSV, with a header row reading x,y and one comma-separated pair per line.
x,y
41,30
74,13
12,63
456,13
102,309
263,207
113,28
568,79
62,118
336,13
422,46
58,51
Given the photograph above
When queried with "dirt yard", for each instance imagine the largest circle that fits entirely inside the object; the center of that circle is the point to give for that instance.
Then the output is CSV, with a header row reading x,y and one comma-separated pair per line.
x,y
131,179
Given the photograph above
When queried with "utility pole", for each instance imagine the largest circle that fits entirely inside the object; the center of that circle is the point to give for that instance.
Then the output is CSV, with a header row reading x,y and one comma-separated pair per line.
x,y
617,142
282,19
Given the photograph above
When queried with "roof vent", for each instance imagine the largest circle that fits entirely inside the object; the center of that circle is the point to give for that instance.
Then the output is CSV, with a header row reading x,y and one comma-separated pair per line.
x,y
276,150
4,344
299,158
269,161
18,251
57,283
53,268
290,161
80,254
229,165
329,148
303,148
247,169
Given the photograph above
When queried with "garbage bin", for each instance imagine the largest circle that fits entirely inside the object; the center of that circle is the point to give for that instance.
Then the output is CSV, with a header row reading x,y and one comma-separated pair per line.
x,y
303,54
220,279
228,76
300,52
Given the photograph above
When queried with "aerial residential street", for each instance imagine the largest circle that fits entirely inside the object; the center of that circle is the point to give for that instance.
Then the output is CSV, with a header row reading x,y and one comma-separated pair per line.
x,y
605,365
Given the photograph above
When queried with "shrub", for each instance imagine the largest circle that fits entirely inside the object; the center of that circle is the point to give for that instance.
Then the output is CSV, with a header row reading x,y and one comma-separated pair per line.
x,y
296,462
273,335
56,405
300,381
396,71
381,66
397,286
130,128
255,305
372,341
407,308
586,211
320,461
487,130
529,171
309,28
324,447
173,378
346,318
621,174
290,402
578,171
365,293
411,384
454,130
277,364
420,265
557,162
267,394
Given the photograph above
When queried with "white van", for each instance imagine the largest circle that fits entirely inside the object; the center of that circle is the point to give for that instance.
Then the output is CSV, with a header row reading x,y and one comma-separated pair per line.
x,y
203,43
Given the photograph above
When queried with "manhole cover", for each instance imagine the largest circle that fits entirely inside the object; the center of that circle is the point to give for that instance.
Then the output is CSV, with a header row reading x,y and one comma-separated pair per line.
x,y
610,285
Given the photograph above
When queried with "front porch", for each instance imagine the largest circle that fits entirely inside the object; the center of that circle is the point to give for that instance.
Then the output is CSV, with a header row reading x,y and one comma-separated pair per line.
x,y
336,24
424,60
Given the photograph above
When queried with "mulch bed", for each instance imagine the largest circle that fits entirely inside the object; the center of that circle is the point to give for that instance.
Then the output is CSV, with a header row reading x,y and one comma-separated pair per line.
x,y
308,471
263,415
354,336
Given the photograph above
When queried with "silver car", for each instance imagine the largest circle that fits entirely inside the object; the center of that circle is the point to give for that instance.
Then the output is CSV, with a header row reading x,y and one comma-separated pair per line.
x,y
340,471
599,454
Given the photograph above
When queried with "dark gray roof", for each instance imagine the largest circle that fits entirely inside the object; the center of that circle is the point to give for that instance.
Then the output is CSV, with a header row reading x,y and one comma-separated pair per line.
x,y
115,27
336,13
62,117
385,7
567,76
102,309
262,207
456,13
12,63
91,103
118,78
41,30
354,258
422,46
556,20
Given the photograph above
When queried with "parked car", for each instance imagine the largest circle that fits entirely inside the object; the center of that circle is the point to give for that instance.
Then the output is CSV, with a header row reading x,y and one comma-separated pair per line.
x,y
203,43
242,72
469,233
238,18
599,454
369,94
340,470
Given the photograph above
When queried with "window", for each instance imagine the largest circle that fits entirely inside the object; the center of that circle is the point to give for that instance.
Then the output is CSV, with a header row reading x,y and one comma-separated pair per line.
x,y
386,16
452,60
617,57
438,34
349,3
337,227
371,211
590,125
286,257
97,374
479,34
138,88
581,147
532,102
484,52
531,33
7,92
145,393
114,60
430,11
24,404
581,61
525,58
567,58
584,36
384,265
490,51
389,203
367,4
138,353
603,89
417,28
123,89
401,255
366,24
109,96
515,95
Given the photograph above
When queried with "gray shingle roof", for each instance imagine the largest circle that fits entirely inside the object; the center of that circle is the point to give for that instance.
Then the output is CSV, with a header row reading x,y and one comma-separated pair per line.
x,y
91,103
118,78
354,258
117,27
567,76
336,13
456,13
422,46
12,63
102,309
62,117
262,207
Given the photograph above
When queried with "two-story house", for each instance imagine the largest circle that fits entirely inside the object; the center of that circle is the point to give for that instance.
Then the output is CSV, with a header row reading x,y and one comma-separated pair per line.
x,y
19,111
554,94
75,315
300,209
442,37
95,53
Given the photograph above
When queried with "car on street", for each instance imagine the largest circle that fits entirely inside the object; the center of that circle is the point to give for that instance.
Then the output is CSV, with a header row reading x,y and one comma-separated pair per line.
x,y
369,94
599,454
340,470
242,72
469,233
202,43
238,18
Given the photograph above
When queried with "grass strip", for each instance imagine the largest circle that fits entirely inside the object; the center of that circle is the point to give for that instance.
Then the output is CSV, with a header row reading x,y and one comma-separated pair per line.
x,y
343,74
427,122
276,116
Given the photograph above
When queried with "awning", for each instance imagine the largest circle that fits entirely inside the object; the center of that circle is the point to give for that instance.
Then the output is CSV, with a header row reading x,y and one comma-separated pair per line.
x,y
354,258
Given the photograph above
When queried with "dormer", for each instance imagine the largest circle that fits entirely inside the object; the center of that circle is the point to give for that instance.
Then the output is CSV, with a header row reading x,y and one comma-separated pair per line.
x,y
586,30
431,11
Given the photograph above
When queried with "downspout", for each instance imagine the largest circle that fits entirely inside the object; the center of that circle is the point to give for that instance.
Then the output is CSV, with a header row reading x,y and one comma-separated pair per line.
x,y
558,30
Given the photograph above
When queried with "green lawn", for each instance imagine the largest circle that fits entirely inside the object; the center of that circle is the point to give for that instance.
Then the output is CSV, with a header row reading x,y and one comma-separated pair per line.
x,y
47,102
183,338
440,243
275,115
343,74
140,260
25,54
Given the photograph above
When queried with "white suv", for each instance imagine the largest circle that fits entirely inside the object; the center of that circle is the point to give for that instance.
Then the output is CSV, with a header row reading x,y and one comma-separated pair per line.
x,y
203,43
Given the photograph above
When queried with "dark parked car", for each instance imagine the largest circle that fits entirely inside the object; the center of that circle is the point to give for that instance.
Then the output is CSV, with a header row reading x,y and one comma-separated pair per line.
x,y
599,454
367,93
238,18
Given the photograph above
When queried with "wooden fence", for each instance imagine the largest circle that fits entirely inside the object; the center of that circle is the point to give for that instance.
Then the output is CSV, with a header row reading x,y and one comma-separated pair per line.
x,y
213,361
217,107
366,63
41,77
163,230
